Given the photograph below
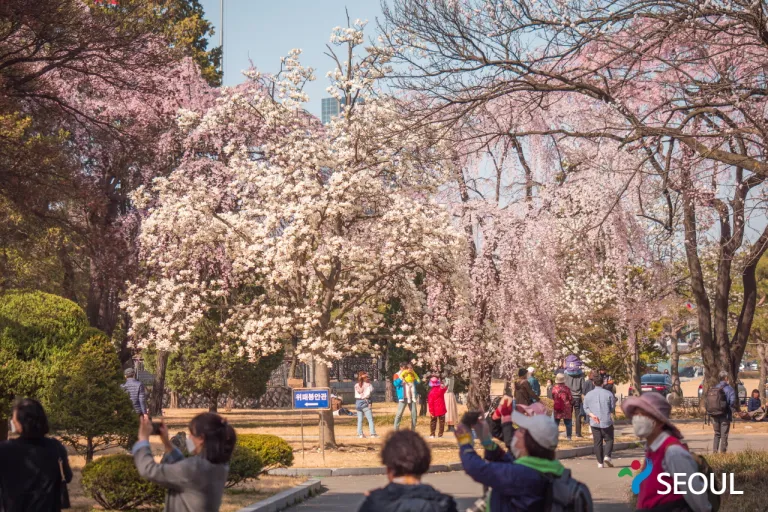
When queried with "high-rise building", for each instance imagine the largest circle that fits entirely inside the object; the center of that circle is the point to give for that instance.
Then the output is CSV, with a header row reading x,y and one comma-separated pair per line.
x,y
330,108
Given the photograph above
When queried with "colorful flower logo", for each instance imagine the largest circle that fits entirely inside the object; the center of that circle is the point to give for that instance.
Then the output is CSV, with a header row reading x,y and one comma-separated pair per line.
x,y
640,476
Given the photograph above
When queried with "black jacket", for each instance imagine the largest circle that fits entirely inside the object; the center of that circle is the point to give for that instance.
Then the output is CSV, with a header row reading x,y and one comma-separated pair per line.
x,y
408,498
30,477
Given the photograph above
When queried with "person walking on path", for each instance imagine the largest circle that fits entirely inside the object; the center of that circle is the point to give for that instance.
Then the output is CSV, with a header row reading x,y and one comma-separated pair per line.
x,y
436,404
451,408
523,392
33,467
363,392
194,483
399,385
649,414
598,405
136,392
522,480
562,404
589,385
407,457
720,403
574,379
534,382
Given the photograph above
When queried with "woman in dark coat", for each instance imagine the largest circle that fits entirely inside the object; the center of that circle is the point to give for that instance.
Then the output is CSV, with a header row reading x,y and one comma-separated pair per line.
x,y
33,466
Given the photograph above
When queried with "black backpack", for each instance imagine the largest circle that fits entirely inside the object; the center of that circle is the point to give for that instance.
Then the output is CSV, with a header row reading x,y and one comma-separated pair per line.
x,y
566,494
716,403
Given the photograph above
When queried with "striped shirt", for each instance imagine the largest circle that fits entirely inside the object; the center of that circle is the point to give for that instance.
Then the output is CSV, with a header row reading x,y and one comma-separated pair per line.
x,y
137,394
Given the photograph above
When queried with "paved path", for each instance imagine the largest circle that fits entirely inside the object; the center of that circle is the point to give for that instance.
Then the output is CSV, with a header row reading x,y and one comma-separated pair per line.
x,y
345,494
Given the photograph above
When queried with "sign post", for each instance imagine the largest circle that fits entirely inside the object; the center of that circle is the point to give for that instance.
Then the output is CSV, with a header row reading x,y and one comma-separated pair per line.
x,y
312,399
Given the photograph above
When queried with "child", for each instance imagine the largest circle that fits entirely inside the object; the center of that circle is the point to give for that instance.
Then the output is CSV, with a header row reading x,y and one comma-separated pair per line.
x,y
436,405
410,379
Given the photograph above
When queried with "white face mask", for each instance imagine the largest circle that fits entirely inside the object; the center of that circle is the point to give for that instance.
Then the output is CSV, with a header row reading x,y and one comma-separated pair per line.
x,y
13,427
643,425
514,448
190,445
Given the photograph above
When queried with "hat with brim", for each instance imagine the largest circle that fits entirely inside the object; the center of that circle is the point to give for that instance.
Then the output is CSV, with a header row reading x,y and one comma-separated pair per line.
x,y
129,372
560,378
542,428
654,405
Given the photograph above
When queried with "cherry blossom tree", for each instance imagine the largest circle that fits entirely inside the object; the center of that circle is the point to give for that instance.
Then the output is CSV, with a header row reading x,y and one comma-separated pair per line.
x,y
291,230
690,113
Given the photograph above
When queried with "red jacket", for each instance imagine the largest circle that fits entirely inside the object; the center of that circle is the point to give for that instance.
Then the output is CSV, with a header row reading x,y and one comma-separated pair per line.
x,y
562,399
436,401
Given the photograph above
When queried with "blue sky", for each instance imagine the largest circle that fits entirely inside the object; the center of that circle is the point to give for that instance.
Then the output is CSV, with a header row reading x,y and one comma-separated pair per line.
x,y
263,31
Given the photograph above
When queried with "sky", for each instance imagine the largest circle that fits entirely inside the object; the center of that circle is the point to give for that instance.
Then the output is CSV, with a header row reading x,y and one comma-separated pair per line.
x,y
262,31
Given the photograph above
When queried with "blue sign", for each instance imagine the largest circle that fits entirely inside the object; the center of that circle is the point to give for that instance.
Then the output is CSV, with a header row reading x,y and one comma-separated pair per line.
x,y
311,399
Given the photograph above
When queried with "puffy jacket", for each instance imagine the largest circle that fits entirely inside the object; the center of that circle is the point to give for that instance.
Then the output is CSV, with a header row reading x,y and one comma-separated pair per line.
x,y
408,498
398,383
436,401
137,394
30,477
515,486
523,393
562,395
753,404
575,383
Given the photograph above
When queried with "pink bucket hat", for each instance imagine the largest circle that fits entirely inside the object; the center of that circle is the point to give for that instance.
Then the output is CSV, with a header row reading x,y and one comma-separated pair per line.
x,y
654,405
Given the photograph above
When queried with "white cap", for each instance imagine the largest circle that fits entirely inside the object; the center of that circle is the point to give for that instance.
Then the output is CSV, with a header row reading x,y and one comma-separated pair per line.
x,y
541,427
530,369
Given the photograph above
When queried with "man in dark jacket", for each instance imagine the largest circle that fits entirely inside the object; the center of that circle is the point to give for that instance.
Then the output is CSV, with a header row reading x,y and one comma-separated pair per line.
x,y
722,424
136,392
406,457
524,395
575,382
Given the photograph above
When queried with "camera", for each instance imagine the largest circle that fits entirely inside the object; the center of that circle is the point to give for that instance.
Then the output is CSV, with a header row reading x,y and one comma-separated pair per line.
x,y
156,425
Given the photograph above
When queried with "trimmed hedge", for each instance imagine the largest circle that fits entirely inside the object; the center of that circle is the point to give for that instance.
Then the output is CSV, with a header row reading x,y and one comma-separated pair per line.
x,y
273,451
255,454
245,464
115,484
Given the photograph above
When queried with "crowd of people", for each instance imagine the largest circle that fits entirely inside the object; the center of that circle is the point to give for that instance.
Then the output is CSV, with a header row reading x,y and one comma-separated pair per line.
x,y
519,436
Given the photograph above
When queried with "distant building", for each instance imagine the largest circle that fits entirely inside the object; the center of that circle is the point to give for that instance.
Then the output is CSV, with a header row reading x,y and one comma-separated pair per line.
x,y
330,108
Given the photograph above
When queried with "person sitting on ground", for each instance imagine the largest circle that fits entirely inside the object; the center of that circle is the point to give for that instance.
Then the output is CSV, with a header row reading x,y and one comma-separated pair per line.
x,y
523,480
523,393
406,456
196,482
649,414
754,401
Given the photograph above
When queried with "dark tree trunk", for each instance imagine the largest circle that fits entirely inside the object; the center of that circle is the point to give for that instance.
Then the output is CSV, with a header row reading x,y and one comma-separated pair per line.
x,y
761,352
88,450
68,289
674,356
479,393
213,402
633,362
158,388
4,428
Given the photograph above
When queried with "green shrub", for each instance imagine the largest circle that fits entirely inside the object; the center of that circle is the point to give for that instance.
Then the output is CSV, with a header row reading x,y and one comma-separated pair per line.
x,y
115,484
85,401
34,327
273,451
245,464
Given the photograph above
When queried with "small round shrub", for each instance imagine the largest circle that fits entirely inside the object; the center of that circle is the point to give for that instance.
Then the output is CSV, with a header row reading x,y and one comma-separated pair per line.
x,y
274,451
115,484
245,464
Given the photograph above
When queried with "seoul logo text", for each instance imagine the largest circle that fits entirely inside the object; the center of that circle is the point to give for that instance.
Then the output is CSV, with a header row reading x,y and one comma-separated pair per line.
x,y
681,483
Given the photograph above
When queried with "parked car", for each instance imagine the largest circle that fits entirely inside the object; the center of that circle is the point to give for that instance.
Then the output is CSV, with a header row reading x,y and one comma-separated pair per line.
x,y
754,366
659,382
742,391
688,371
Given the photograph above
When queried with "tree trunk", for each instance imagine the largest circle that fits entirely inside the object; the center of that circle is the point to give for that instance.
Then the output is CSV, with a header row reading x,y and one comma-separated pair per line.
x,y
322,379
633,362
213,402
158,388
674,356
4,428
294,357
88,450
479,393
761,352
389,395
